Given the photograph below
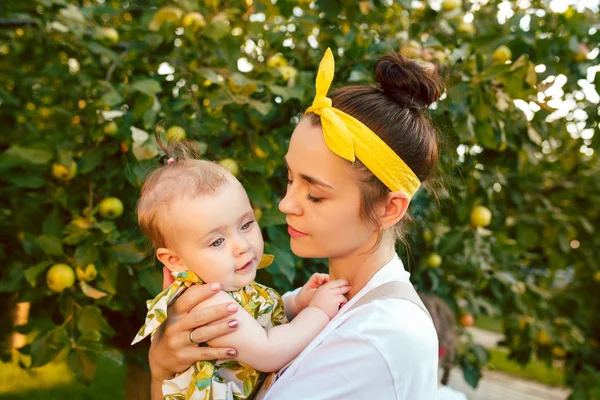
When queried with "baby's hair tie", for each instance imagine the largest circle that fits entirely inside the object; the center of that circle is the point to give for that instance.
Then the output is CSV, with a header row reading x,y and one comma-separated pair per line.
x,y
166,160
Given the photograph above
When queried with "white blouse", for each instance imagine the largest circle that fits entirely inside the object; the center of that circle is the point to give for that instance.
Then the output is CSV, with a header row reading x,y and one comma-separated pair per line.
x,y
385,349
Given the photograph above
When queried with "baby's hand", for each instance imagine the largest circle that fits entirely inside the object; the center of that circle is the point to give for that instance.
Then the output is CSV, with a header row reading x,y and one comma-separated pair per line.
x,y
330,297
308,290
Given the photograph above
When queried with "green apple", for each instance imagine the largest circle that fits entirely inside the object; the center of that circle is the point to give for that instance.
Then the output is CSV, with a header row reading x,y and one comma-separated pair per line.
x,y
501,55
449,5
111,208
480,216
434,260
195,20
60,277
111,128
176,134
108,35
231,165
64,173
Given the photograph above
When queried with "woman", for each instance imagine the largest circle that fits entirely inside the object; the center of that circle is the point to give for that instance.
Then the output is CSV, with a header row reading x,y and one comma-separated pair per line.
x,y
354,162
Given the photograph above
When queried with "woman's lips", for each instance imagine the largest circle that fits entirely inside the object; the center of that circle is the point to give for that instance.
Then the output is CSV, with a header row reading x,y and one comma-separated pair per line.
x,y
294,233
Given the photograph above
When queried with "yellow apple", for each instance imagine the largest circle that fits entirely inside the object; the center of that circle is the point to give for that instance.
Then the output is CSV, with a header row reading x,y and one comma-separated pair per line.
x,y
231,165
481,216
60,277
111,208
501,55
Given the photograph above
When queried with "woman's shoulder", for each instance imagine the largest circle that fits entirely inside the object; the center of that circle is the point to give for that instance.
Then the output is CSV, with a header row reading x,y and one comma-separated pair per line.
x,y
391,323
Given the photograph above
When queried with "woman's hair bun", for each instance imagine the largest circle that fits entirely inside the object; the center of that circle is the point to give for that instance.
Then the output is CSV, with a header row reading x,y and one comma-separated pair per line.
x,y
407,82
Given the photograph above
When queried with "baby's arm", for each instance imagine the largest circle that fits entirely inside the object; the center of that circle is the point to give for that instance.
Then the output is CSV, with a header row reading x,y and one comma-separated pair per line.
x,y
271,350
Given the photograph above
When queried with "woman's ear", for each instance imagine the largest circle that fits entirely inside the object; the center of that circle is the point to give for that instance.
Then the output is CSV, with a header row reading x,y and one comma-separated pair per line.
x,y
170,259
393,209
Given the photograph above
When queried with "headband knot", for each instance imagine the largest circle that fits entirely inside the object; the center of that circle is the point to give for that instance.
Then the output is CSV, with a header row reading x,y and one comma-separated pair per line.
x,y
319,104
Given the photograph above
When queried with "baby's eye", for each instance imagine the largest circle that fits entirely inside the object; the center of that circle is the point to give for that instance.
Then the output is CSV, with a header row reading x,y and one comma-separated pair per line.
x,y
247,225
217,242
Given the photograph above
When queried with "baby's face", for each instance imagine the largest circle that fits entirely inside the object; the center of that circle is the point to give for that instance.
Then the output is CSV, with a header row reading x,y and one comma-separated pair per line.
x,y
217,236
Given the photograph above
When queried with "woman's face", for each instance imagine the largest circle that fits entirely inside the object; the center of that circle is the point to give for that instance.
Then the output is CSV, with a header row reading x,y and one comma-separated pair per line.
x,y
322,202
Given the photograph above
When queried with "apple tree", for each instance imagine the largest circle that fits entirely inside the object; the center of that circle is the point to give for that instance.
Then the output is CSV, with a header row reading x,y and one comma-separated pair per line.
x,y
508,229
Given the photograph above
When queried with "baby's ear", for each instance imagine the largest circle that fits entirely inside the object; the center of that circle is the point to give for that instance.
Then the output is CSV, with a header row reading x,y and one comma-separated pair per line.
x,y
170,259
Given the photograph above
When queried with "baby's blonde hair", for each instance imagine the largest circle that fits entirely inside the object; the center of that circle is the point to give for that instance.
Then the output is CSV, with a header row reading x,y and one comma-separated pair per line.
x,y
181,176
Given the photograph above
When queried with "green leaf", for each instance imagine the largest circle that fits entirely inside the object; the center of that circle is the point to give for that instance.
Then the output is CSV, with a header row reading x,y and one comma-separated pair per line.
x,y
89,319
84,363
111,98
149,87
451,243
272,217
26,179
527,236
472,375
11,280
52,225
17,155
97,48
32,273
113,355
86,254
262,108
480,353
129,253
217,29
151,280
51,245
105,226
46,347
90,161
283,264
587,226
485,134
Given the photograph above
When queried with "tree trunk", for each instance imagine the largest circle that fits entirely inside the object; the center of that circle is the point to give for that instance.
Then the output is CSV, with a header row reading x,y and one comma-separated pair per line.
x,y
137,382
7,313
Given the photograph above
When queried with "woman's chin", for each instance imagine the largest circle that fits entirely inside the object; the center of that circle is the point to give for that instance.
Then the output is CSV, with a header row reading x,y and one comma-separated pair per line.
x,y
304,250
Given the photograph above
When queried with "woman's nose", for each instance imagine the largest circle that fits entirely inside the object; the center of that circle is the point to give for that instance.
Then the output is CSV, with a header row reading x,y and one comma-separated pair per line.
x,y
288,205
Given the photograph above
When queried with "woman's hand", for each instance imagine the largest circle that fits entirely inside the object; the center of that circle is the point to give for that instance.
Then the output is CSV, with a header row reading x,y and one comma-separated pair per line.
x,y
172,351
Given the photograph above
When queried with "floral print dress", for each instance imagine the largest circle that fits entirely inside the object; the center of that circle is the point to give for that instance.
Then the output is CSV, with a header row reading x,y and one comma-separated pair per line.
x,y
219,379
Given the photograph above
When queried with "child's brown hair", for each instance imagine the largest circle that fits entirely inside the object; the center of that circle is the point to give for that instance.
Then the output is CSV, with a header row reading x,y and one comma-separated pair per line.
x,y
181,175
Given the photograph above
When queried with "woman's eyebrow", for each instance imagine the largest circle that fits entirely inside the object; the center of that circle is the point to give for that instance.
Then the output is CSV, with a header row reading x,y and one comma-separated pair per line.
x,y
310,179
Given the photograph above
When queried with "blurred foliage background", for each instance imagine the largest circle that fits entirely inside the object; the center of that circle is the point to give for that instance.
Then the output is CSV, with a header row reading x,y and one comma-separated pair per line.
x,y
509,229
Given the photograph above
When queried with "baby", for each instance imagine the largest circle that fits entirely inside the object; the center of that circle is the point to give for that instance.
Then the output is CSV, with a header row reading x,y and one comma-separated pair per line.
x,y
203,228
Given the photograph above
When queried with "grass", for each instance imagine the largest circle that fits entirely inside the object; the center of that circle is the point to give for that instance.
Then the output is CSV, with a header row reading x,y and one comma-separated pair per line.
x,y
57,381
488,323
535,370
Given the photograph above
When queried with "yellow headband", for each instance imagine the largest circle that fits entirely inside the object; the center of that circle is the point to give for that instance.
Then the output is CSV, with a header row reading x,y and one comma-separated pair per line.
x,y
350,139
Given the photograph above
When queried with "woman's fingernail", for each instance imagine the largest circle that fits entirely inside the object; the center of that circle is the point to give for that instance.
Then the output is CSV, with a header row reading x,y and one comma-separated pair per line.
x,y
233,324
231,353
215,286
232,307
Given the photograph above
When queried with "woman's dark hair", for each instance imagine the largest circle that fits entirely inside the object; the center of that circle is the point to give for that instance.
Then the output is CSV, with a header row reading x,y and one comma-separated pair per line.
x,y
396,110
